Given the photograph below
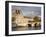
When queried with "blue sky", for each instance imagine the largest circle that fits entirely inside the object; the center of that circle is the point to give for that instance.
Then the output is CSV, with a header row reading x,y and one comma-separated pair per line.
x,y
28,10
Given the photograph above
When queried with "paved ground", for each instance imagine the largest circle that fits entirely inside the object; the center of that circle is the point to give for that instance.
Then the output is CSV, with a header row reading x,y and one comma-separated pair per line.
x,y
25,28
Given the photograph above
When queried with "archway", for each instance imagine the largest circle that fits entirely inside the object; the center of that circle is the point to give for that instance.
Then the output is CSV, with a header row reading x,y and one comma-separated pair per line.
x,y
29,25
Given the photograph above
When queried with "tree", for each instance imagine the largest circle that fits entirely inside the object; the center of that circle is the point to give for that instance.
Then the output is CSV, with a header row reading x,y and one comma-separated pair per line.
x,y
36,19
13,18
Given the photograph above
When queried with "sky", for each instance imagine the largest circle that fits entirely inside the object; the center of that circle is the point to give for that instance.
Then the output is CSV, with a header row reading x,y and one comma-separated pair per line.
x,y
28,10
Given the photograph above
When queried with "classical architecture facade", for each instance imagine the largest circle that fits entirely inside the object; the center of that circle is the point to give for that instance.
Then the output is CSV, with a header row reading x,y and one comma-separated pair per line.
x,y
21,20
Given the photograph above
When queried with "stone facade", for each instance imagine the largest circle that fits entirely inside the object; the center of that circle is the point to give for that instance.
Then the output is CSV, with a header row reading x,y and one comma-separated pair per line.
x,y
21,21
